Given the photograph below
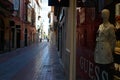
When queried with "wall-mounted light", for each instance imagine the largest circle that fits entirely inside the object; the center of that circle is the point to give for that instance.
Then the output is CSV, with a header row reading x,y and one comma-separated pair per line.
x,y
59,0
83,1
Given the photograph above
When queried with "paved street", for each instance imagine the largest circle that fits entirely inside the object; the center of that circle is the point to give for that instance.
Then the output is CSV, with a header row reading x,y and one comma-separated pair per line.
x,y
36,62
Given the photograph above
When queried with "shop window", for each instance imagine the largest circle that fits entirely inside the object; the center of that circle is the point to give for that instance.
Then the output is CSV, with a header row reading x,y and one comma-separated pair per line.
x,y
117,48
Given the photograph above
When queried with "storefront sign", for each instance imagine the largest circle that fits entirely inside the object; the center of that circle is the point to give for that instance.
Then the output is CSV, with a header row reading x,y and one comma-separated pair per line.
x,y
91,70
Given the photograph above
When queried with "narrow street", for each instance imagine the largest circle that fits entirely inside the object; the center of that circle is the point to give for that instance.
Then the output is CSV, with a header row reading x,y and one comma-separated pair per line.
x,y
36,62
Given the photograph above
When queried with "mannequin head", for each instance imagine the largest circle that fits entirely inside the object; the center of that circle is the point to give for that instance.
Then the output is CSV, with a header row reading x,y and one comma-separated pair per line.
x,y
105,14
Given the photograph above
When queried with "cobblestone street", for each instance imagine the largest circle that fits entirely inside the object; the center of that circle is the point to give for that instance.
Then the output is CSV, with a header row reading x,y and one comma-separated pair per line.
x,y
36,62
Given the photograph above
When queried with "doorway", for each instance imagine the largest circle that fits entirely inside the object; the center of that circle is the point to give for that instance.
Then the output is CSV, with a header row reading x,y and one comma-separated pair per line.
x,y
25,35
18,31
1,35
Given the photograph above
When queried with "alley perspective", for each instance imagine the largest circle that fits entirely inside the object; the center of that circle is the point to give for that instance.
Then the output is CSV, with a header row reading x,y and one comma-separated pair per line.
x,y
27,43
59,39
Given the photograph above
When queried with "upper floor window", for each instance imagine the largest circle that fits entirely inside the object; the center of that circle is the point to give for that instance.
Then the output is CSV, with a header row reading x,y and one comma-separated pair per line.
x,y
16,4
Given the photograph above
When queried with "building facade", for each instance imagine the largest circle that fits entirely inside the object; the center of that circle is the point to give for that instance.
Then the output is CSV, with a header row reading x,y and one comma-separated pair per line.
x,y
18,23
24,24
6,10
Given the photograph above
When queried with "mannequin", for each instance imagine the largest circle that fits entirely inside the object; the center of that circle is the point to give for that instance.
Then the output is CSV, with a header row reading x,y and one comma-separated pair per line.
x,y
105,43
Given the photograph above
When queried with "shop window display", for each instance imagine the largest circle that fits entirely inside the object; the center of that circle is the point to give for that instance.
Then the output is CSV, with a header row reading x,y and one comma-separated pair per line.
x,y
117,48
91,37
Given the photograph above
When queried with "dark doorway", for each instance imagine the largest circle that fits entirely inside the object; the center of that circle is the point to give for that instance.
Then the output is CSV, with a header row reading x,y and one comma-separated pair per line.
x,y
13,37
60,41
1,35
18,31
25,37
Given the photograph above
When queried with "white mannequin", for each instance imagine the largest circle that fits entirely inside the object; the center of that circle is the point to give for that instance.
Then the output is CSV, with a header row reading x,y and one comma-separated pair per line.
x,y
105,43
105,40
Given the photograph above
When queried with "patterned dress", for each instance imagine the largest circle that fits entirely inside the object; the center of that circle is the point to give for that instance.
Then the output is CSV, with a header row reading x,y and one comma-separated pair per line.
x,y
105,43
